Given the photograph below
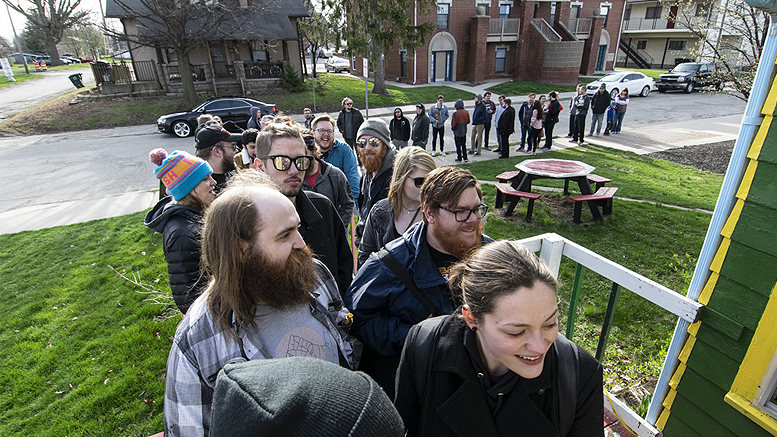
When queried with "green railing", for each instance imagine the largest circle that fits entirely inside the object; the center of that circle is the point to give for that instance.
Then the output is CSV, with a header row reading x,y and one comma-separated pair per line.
x,y
553,248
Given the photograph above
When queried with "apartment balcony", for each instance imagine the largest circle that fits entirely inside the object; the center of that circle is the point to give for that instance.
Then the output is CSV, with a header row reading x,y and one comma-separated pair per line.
x,y
503,29
580,27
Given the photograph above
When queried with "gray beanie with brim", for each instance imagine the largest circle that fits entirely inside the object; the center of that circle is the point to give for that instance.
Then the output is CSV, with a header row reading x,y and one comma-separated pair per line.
x,y
300,397
377,128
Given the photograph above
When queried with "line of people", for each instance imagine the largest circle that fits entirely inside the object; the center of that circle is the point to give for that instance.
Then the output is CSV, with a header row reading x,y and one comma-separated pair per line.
x,y
266,272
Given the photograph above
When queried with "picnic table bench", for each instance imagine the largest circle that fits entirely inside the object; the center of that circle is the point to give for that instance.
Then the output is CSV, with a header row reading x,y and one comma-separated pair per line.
x,y
602,197
600,181
506,192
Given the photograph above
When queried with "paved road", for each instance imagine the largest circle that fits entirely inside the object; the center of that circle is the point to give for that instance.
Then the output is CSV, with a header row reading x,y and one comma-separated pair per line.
x,y
31,93
67,178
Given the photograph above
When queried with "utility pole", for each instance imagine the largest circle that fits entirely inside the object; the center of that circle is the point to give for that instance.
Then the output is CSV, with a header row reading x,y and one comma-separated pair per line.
x,y
18,42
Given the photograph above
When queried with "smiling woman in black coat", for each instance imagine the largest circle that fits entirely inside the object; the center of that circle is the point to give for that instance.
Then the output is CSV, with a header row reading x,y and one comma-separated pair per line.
x,y
498,366
178,218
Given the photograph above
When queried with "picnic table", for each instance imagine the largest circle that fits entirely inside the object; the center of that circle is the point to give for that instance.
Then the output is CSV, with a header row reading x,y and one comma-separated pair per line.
x,y
568,170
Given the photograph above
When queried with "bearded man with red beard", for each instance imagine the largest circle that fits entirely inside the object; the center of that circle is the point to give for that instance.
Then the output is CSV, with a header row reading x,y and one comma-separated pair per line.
x,y
377,156
268,298
383,304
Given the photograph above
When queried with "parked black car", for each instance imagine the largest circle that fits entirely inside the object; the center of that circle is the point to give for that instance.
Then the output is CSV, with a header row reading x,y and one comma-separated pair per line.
x,y
235,109
689,76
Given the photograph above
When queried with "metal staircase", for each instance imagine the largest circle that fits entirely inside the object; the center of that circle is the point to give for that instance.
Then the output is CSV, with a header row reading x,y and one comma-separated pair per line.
x,y
639,57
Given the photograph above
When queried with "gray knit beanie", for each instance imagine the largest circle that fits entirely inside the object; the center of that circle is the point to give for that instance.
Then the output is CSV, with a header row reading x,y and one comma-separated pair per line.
x,y
377,128
300,396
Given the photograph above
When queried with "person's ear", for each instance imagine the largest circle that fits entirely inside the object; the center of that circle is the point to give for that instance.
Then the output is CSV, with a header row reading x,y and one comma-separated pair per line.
x,y
469,318
430,216
258,164
216,151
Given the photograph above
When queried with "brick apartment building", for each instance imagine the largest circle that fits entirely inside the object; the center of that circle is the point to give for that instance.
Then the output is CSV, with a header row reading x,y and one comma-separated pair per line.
x,y
476,40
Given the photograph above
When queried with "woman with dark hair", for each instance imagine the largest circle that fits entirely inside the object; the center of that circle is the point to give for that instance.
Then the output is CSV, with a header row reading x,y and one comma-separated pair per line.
x,y
178,218
499,366
551,118
535,127
623,102
391,217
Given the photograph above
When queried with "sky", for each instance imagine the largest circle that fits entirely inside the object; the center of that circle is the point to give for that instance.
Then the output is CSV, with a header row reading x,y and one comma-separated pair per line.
x,y
19,21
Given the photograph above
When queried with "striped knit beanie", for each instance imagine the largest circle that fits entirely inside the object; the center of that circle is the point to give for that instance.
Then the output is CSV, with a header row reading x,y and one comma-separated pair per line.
x,y
180,172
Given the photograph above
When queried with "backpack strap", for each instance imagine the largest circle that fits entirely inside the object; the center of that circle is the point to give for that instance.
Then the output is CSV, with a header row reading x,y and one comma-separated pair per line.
x,y
424,344
403,276
568,369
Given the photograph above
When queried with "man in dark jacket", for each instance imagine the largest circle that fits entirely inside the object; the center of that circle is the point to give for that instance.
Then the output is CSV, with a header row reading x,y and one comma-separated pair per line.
x,y
506,127
479,116
524,117
600,102
421,123
551,118
281,154
384,308
348,123
490,111
399,127
377,154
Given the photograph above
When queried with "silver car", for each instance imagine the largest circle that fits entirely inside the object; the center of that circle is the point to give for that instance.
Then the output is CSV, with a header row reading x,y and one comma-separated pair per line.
x,y
336,65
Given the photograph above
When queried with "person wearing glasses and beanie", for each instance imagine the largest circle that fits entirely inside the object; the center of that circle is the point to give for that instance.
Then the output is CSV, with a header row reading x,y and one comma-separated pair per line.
x,y
281,154
406,281
377,156
391,217
178,217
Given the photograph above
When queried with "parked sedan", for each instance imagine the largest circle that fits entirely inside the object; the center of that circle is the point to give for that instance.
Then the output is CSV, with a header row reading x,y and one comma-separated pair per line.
x,y
336,65
235,109
637,83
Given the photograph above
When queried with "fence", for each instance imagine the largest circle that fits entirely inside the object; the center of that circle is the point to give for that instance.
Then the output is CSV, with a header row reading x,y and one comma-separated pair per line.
x,y
260,70
580,26
553,248
546,30
503,26
138,71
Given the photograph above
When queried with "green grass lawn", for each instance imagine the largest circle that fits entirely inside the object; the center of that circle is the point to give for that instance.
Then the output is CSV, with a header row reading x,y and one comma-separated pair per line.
x,y
18,77
84,351
652,73
523,88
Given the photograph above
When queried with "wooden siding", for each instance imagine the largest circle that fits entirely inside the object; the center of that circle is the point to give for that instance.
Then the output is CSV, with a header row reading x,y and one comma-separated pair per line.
x,y
743,275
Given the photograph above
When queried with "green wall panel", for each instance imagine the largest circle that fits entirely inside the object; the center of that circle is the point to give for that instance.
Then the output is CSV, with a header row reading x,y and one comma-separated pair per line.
x,y
756,228
697,419
769,149
715,366
723,324
763,190
675,427
750,268
737,302
710,400
724,344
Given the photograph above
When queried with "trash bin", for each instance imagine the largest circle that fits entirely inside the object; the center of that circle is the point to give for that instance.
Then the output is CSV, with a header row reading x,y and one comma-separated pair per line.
x,y
76,79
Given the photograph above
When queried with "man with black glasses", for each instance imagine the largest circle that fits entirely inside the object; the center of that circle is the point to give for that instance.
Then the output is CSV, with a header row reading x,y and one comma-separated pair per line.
x,y
336,152
217,147
406,282
280,152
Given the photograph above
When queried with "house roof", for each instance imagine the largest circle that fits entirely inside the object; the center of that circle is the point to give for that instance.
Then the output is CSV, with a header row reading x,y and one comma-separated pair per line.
x,y
267,18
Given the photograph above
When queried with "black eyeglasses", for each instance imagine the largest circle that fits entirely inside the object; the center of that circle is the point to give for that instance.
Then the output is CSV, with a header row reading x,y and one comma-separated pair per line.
x,y
283,162
462,215
419,181
324,131
374,142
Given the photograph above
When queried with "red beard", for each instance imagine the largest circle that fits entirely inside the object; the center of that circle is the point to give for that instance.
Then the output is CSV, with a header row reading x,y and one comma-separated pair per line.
x,y
451,239
373,160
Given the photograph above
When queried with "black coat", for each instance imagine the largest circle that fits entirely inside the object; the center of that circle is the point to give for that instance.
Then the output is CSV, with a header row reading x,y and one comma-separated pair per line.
x,y
554,108
323,231
399,128
420,133
506,123
457,402
181,227
600,102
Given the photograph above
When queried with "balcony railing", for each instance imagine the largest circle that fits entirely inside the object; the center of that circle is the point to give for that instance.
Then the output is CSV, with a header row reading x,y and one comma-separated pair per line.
x,y
553,248
546,30
503,26
646,24
580,26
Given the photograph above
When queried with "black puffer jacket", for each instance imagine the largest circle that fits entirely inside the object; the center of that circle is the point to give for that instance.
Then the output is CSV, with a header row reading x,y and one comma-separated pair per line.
x,y
180,227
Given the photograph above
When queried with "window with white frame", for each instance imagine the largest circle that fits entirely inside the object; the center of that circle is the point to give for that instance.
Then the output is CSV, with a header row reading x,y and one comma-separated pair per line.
x,y
501,59
642,44
702,9
443,15
676,44
604,9
504,10
653,13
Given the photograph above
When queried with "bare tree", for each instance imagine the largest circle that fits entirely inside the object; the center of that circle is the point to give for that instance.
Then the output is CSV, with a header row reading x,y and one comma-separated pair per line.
x,y
84,40
5,47
731,34
321,29
52,17
376,27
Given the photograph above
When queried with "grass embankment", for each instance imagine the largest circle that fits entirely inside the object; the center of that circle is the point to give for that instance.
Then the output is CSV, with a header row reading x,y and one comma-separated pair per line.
x,y
84,355
523,88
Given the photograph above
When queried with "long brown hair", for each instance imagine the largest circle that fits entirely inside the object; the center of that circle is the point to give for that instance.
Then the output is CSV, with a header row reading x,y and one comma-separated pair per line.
x,y
407,161
496,270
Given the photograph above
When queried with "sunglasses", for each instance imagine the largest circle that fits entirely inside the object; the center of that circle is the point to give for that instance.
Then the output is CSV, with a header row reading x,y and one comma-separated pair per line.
x,y
419,181
348,103
374,142
283,163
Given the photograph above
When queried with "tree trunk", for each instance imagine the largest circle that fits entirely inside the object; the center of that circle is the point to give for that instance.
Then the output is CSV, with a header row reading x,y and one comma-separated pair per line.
x,y
380,77
185,70
51,47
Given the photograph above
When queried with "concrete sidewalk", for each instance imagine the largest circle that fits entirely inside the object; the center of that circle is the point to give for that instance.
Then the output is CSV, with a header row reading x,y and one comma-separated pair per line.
x,y
639,139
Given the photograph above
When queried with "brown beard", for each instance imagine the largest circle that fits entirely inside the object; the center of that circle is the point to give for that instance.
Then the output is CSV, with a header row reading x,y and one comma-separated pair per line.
x,y
450,242
373,162
279,286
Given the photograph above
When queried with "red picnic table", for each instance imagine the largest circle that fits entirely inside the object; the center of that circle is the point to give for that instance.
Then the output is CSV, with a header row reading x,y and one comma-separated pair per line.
x,y
568,170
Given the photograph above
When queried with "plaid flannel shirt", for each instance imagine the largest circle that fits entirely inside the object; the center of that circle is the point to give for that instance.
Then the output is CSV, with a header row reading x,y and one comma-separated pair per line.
x,y
201,349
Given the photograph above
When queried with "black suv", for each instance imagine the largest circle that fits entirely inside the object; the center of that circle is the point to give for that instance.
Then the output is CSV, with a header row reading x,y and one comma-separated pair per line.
x,y
236,109
688,76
